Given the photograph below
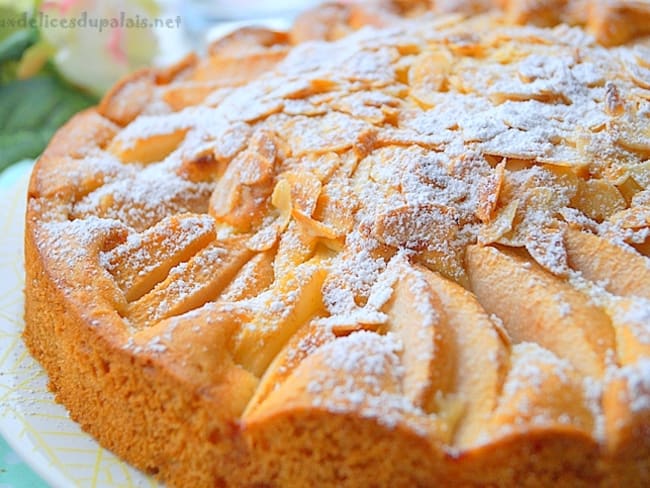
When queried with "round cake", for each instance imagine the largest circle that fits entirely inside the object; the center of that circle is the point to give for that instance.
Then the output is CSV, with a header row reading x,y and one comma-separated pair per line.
x,y
395,246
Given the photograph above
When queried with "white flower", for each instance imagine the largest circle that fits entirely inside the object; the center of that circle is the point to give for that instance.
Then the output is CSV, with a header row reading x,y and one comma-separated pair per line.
x,y
99,41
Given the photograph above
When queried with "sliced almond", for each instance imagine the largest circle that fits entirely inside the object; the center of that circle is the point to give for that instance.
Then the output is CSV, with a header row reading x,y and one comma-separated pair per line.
x,y
635,139
638,73
614,102
147,149
241,196
294,248
449,261
501,225
205,167
598,199
305,189
488,193
416,226
314,228
336,207
641,174
628,188
632,218
428,74
267,236
546,246
341,329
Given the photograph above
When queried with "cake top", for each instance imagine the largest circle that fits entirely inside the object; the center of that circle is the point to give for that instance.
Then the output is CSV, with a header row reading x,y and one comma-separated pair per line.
x,y
334,201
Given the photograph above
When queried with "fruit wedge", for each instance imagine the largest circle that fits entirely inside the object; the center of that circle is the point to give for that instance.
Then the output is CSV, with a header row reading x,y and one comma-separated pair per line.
x,y
631,320
197,348
146,258
536,306
416,317
255,276
293,300
303,343
623,271
189,285
149,149
626,403
541,392
482,357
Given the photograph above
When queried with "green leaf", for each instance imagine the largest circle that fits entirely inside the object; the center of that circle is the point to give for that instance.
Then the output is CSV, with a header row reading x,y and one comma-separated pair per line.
x,y
22,145
13,46
8,71
16,37
11,20
30,112
32,109
49,92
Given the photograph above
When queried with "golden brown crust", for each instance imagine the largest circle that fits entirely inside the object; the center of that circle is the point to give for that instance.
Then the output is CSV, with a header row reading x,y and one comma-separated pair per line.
x,y
397,259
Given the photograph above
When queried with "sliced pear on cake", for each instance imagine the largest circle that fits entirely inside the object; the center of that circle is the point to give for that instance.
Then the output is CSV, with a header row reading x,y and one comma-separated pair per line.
x,y
622,271
536,306
293,300
190,285
303,343
146,258
482,357
626,404
541,392
416,317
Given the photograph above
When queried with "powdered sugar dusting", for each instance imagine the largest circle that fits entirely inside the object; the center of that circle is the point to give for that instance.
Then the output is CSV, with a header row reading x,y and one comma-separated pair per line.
x,y
637,378
409,144
363,376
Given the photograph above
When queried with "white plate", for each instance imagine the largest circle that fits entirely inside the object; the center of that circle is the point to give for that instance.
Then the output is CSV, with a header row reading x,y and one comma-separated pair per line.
x,y
37,428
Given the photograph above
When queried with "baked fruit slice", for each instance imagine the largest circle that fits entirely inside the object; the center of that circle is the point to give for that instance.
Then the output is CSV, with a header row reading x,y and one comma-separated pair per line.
x,y
411,254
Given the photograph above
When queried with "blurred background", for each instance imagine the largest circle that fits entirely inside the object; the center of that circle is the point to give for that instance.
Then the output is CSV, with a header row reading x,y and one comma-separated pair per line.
x,y
60,56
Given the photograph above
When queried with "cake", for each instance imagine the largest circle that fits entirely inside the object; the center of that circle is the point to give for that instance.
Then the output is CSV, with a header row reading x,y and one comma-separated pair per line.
x,y
395,246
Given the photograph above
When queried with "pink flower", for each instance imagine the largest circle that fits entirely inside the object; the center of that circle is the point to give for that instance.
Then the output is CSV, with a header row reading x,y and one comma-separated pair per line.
x,y
63,5
99,41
